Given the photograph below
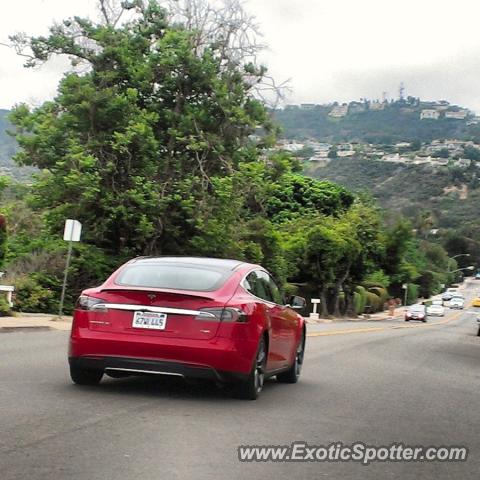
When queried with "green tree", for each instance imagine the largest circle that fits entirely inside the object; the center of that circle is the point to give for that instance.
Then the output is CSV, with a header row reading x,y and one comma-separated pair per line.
x,y
130,146
3,239
333,152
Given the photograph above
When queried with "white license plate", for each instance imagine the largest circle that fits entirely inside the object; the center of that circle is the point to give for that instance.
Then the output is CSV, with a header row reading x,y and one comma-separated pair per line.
x,y
150,320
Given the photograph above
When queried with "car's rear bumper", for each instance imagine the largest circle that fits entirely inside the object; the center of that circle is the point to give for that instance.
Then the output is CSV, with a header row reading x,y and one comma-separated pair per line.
x,y
183,356
139,366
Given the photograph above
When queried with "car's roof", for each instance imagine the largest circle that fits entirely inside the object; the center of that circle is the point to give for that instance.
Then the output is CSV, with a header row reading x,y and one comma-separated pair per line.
x,y
206,262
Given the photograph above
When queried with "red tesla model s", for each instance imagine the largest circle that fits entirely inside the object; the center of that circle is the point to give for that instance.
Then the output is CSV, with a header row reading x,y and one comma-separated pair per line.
x,y
206,318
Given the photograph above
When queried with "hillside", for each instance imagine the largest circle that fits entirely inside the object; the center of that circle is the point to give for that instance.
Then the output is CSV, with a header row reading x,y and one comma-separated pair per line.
x,y
8,147
397,122
450,196
7,143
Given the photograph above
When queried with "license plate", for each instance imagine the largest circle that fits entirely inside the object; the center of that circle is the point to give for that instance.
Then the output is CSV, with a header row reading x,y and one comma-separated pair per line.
x,y
150,320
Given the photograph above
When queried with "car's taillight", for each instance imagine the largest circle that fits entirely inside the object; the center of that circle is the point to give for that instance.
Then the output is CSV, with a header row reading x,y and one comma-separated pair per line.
x,y
228,314
85,302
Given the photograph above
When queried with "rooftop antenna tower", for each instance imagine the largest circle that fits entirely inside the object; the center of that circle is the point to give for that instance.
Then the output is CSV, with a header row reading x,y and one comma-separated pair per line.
x,y
401,91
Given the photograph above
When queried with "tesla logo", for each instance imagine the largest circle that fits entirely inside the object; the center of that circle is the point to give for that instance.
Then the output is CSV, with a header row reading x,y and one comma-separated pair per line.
x,y
152,296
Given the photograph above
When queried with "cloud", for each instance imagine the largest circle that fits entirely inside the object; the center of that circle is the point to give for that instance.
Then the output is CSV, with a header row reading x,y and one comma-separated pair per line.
x,y
453,79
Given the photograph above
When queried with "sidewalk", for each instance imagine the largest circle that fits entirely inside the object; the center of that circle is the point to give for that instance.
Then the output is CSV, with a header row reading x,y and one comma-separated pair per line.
x,y
30,321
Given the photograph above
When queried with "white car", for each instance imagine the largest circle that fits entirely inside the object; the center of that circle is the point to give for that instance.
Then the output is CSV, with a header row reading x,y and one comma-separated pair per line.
x,y
436,310
457,302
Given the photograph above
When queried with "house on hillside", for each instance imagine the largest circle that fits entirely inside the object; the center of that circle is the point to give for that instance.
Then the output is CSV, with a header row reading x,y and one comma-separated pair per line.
x,y
429,114
356,107
458,115
291,146
307,106
339,111
376,106
320,147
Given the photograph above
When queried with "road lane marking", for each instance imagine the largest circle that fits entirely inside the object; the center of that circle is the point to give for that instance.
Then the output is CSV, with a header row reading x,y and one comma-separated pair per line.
x,y
442,322
379,329
341,332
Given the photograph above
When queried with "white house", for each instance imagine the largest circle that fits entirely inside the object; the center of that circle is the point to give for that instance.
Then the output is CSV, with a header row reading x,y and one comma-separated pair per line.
x,y
460,115
429,114
339,111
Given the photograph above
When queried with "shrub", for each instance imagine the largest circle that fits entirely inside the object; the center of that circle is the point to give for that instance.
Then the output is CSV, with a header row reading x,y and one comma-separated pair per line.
x,y
360,299
3,238
381,292
35,295
5,309
378,278
374,302
412,293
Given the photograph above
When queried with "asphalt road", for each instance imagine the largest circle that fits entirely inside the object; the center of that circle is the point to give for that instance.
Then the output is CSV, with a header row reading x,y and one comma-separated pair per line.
x,y
418,385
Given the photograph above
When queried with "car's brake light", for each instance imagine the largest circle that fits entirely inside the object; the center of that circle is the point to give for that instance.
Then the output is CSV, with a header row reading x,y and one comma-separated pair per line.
x,y
85,302
228,314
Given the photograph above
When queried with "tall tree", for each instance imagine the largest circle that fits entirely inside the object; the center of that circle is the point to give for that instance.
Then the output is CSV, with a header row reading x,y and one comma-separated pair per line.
x,y
131,142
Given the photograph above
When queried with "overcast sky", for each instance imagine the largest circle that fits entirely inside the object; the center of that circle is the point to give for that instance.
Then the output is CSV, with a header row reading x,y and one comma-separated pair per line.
x,y
331,49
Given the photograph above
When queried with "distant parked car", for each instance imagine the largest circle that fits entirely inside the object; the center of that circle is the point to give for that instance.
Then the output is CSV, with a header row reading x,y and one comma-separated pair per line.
x,y
223,320
477,276
457,303
436,310
416,312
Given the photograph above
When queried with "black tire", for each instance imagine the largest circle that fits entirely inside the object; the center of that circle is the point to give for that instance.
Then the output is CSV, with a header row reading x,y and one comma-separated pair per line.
x,y
407,319
293,373
424,320
81,376
250,389
478,334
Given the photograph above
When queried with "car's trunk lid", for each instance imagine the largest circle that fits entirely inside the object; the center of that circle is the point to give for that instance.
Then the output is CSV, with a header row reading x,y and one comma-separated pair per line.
x,y
174,314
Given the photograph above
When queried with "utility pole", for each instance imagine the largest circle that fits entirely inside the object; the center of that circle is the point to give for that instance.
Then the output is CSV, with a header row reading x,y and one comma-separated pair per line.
x,y
405,287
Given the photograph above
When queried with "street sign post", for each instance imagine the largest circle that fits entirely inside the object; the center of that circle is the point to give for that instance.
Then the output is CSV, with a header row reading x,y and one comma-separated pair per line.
x,y
314,315
72,233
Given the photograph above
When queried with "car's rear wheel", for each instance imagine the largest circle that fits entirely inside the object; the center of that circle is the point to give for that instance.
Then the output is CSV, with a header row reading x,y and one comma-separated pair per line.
x,y
250,389
81,376
293,373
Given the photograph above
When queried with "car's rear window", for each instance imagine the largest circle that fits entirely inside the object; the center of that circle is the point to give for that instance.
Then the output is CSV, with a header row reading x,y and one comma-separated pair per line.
x,y
174,277
417,308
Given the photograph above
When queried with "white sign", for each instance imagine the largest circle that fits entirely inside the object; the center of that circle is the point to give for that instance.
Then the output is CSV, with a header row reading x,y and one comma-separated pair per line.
x,y
315,300
73,230
404,286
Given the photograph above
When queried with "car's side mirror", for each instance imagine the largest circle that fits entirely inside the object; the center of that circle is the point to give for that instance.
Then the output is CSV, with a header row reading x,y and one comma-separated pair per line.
x,y
297,303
